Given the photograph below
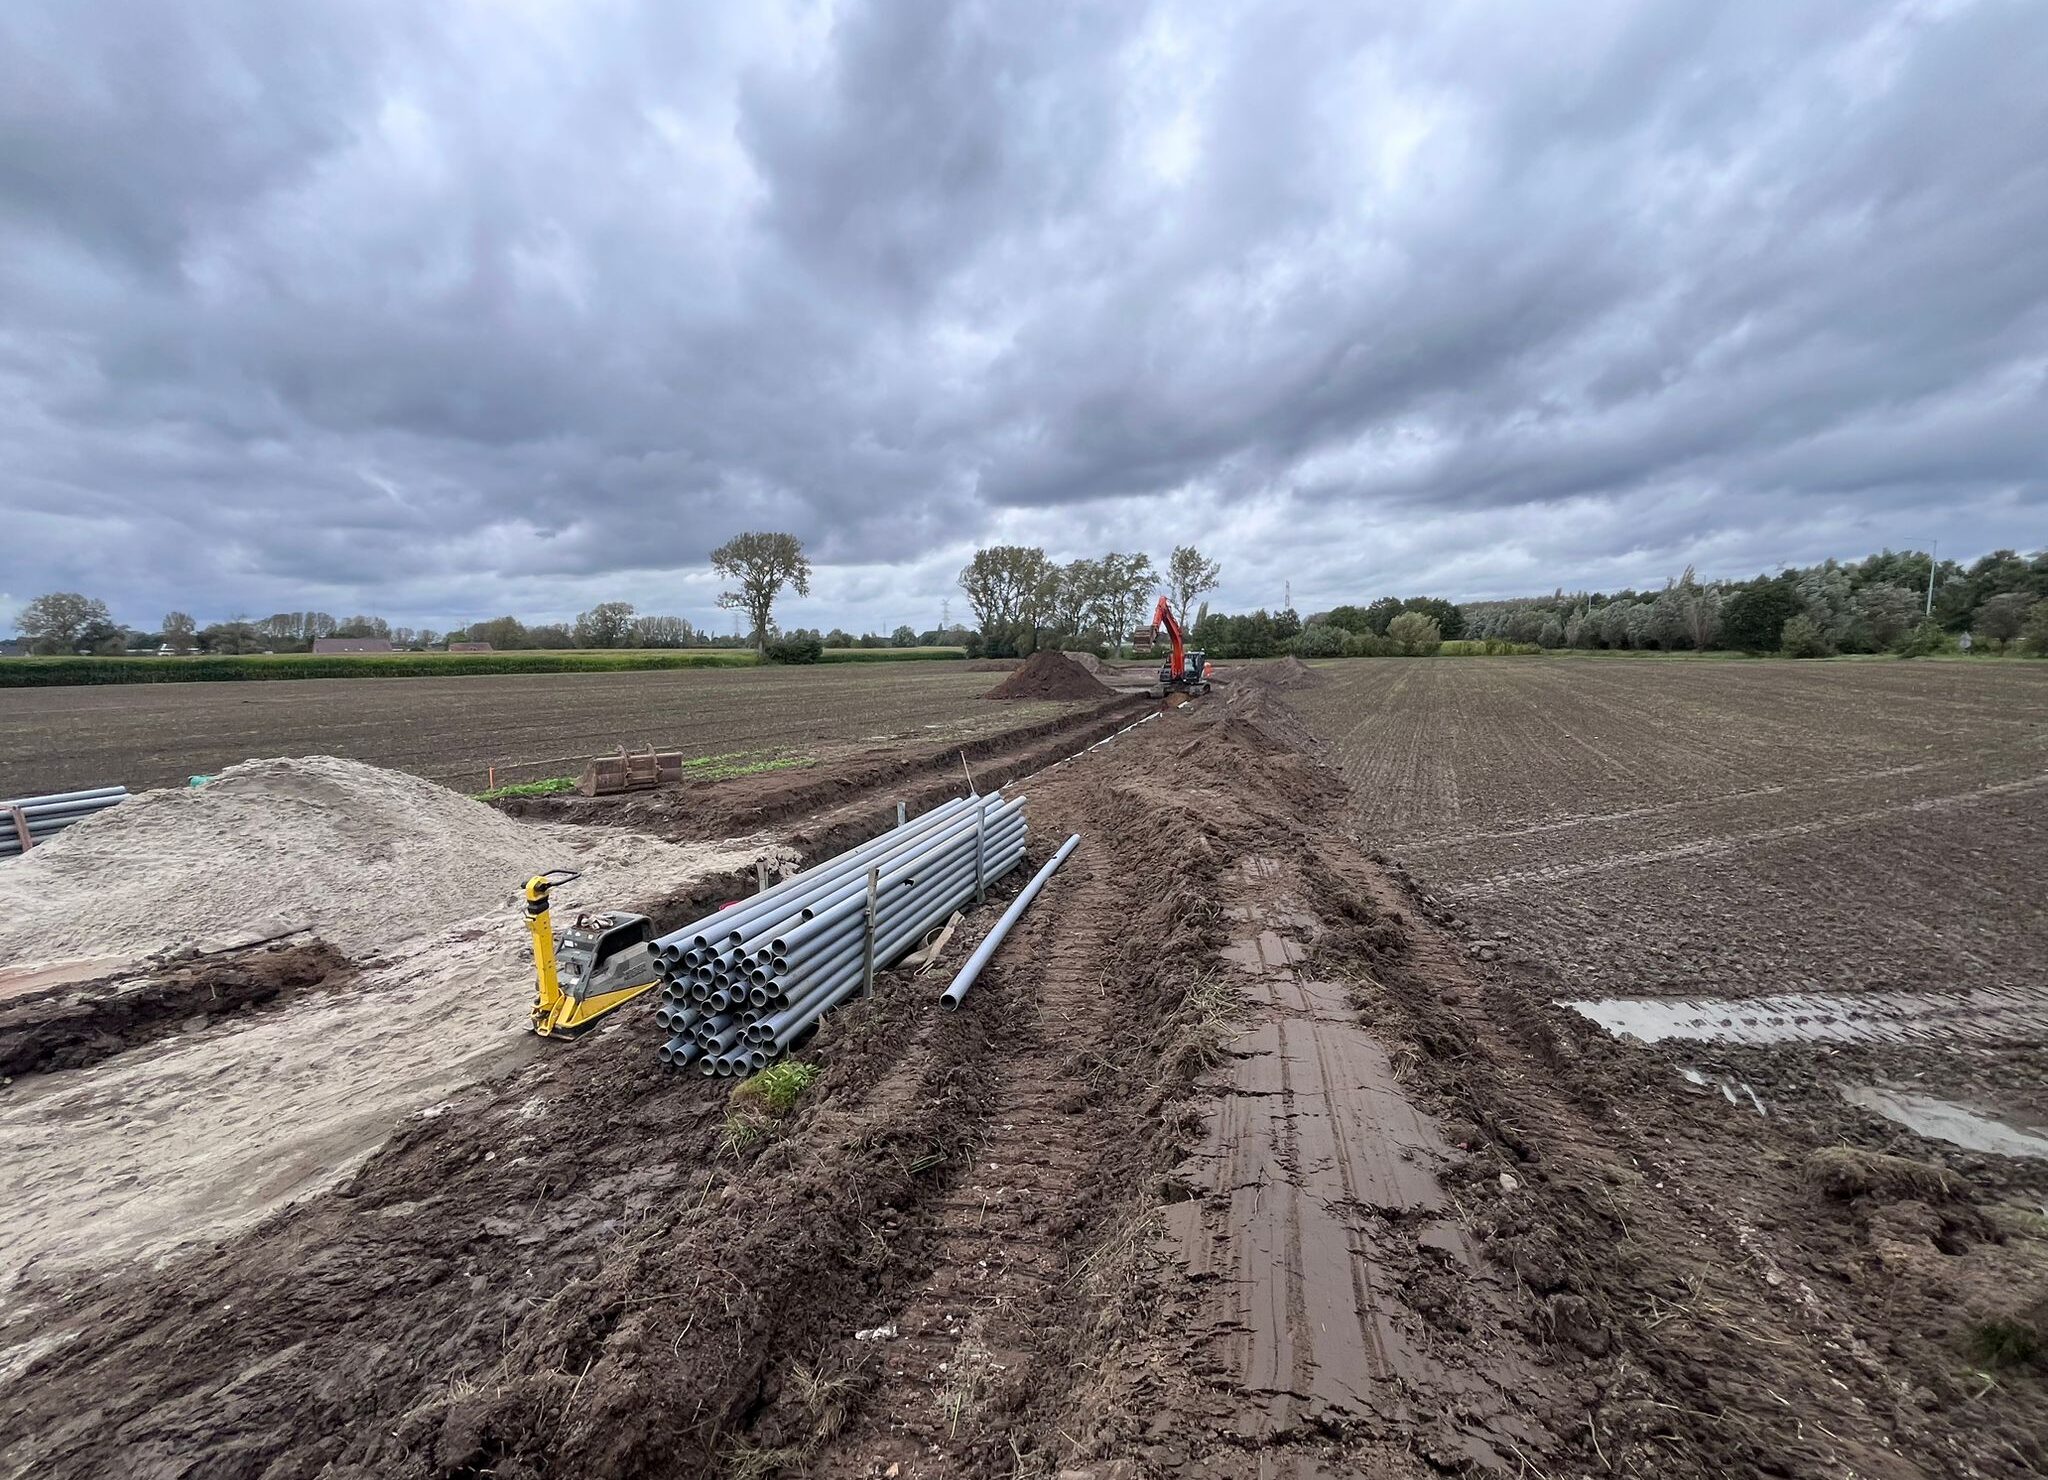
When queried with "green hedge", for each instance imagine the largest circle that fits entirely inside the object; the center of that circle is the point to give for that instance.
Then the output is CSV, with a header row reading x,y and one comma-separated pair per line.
x,y
892,655
28,673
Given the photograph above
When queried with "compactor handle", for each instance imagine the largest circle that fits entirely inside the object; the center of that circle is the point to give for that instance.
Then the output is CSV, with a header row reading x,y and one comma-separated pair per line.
x,y
538,886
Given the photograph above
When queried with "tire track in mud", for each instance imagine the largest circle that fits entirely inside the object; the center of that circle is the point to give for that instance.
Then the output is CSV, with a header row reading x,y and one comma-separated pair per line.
x,y
1321,1194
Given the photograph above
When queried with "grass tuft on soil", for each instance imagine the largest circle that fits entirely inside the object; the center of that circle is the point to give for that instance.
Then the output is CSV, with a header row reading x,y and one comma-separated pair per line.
x,y
778,1087
2009,1342
550,786
1846,1172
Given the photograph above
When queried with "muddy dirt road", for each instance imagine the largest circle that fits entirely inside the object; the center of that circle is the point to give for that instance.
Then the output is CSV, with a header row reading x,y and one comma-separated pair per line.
x,y
1237,1162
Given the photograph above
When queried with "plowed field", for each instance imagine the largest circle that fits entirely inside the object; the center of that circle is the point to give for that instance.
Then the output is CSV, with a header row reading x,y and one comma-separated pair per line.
x,y
456,730
1714,828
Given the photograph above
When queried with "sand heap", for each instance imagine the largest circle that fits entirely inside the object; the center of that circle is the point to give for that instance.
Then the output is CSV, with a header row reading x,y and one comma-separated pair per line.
x,y
1087,660
1048,675
364,857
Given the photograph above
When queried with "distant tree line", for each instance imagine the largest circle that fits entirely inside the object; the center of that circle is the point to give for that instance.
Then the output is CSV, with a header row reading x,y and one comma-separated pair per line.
x,y
760,566
1874,605
1023,600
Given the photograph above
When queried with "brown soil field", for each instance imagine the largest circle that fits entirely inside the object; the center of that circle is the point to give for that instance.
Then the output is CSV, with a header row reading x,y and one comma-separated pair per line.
x,y
1723,829
1251,1155
454,730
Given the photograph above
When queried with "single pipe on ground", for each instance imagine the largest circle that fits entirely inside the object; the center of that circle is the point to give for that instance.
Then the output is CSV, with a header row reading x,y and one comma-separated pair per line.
x,y
950,998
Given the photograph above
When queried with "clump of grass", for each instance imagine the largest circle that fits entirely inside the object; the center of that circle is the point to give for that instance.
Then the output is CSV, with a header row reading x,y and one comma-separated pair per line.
x,y
823,1396
1848,1171
2008,1342
552,786
1205,1021
725,768
746,1460
966,1383
778,1087
743,1132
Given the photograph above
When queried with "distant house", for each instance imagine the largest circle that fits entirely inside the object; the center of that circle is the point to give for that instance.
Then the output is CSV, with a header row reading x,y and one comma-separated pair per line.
x,y
352,645
469,647
13,647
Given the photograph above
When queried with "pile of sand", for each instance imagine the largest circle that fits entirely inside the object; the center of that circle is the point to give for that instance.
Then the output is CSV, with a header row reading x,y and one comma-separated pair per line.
x,y
364,857
1048,675
202,1134
1087,660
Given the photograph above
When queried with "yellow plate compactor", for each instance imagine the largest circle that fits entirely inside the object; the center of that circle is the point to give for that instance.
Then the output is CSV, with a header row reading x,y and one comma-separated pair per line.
x,y
602,961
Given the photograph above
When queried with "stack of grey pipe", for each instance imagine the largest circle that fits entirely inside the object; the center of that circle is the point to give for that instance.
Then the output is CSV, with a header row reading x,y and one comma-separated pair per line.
x,y
47,815
740,985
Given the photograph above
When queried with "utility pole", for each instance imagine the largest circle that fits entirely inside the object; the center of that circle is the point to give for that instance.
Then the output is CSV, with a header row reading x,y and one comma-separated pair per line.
x,y
1932,551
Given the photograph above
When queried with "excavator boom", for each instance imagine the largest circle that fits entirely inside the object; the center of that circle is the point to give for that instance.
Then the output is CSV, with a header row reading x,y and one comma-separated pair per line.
x,y
1185,671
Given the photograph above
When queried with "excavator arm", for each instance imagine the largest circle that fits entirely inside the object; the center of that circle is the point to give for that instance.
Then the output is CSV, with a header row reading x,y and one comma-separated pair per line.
x,y
1185,672
1162,616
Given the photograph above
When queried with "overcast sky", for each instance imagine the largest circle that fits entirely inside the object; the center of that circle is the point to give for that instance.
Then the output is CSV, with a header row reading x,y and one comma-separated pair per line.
x,y
450,309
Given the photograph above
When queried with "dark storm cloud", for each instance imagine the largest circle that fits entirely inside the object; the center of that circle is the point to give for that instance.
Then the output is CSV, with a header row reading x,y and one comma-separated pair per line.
x,y
449,310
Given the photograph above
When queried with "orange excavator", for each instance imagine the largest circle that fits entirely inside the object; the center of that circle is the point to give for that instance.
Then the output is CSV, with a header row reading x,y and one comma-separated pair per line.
x,y
1183,672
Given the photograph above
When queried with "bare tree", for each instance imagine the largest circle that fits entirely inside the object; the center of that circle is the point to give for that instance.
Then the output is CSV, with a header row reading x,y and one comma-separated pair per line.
x,y
1189,577
761,564
1008,587
661,632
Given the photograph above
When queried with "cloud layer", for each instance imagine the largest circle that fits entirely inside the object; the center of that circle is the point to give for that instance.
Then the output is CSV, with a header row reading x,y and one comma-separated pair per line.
x,y
509,305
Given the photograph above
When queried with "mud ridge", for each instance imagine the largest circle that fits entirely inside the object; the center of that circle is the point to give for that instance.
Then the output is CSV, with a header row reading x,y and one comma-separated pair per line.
x,y
79,1024
919,775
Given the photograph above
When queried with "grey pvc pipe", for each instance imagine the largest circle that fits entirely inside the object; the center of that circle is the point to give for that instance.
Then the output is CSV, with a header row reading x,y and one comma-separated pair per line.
x,y
850,896
845,978
809,944
111,793
69,811
950,998
717,928
1004,824
922,907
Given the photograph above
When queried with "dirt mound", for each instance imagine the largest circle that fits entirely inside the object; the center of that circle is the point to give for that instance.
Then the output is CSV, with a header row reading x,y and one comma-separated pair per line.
x,y
1284,673
1047,675
1086,660
366,858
